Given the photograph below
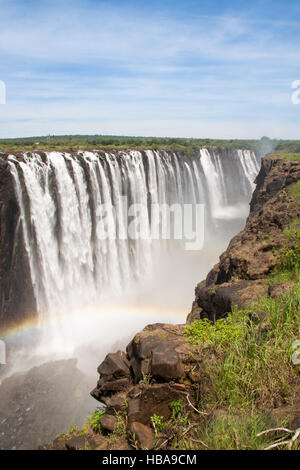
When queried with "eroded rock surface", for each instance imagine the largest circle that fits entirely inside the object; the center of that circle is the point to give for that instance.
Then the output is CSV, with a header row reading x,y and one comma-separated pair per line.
x,y
240,276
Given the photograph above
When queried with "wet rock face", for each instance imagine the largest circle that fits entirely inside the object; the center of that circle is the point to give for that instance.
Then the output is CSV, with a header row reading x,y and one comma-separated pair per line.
x,y
253,253
17,300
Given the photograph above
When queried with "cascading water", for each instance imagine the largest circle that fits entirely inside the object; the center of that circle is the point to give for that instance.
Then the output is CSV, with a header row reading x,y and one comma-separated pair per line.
x,y
60,195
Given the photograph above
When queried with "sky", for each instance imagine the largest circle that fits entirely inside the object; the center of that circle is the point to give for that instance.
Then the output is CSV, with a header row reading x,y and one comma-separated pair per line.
x,y
218,69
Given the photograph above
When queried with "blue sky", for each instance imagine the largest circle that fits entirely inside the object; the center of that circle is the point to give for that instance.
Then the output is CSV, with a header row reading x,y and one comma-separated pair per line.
x,y
219,69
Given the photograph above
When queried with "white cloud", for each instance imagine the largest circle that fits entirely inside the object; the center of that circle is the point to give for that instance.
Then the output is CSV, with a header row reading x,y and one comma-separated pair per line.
x,y
114,67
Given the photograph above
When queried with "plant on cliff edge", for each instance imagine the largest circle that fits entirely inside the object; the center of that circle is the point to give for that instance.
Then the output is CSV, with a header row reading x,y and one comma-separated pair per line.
x,y
157,422
176,407
221,333
290,256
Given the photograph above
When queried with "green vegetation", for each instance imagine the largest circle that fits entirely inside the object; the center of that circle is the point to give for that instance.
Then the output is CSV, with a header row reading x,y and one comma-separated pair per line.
x,y
249,369
295,190
291,156
288,146
290,257
176,407
188,146
234,432
224,332
94,421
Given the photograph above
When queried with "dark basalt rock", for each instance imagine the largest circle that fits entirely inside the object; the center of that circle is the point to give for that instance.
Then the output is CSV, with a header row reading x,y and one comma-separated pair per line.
x,y
253,253
109,423
115,365
159,352
257,317
114,373
218,301
115,403
278,289
76,443
145,401
107,386
17,299
166,363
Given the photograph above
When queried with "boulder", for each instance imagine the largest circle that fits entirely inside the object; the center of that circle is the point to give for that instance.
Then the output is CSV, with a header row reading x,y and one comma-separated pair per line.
x,y
115,365
166,363
276,290
158,351
109,423
257,317
115,375
146,400
76,443
108,386
219,300
142,434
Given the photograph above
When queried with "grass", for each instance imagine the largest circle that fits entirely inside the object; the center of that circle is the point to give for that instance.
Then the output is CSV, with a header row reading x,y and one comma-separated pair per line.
x,y
237,432
291,156
186,145
223,332
249,369
94,421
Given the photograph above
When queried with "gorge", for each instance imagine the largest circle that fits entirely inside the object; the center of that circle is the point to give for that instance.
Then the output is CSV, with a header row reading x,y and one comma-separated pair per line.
x,y
58,276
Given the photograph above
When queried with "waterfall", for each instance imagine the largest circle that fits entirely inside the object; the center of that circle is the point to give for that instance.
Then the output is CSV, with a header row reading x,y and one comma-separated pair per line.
x,y
79,255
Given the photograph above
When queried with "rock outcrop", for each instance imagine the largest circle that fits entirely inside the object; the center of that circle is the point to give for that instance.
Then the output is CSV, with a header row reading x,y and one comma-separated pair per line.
x,y
240,276
147,378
